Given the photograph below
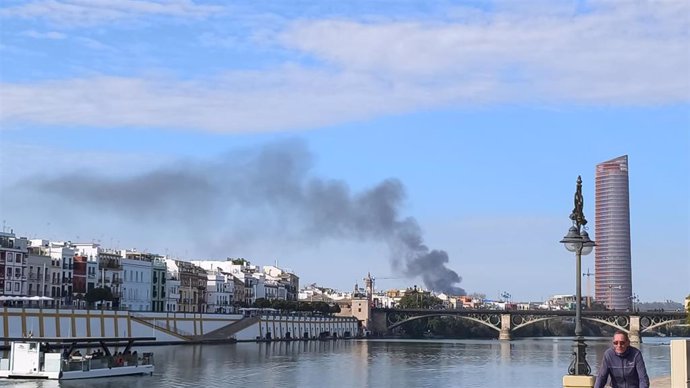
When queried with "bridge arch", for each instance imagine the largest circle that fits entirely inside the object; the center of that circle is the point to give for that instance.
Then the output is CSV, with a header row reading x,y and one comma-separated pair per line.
x,y
620,323
654,325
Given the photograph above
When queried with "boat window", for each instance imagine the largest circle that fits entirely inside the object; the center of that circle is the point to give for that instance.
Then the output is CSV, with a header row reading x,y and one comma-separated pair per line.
x,y
32,346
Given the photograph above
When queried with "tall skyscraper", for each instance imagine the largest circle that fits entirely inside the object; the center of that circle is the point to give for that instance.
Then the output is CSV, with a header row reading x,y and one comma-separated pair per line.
x,y
613,273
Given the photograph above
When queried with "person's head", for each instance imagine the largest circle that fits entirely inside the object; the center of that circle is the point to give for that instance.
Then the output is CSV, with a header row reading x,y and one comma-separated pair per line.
x,y
621,342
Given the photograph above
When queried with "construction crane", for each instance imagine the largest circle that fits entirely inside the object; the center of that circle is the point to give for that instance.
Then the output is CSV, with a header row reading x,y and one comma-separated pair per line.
x,y
589,291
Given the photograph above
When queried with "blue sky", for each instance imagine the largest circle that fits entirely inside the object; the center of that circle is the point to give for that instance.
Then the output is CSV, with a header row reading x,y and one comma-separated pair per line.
x,y
271,130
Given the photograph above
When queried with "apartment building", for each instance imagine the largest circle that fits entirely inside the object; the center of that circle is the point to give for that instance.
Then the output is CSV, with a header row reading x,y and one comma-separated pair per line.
x,y
13,262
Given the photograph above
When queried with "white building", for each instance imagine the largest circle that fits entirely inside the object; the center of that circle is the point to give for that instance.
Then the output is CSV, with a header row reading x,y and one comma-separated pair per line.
x,y
219,292
137,277
243,272
62,268
286,281
267,282
38,276
172,285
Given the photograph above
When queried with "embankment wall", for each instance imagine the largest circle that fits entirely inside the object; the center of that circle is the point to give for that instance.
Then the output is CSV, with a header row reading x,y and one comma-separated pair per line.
x,y
165,327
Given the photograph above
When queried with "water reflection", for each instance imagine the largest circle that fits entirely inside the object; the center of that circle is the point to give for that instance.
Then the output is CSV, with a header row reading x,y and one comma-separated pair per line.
x,y
447,363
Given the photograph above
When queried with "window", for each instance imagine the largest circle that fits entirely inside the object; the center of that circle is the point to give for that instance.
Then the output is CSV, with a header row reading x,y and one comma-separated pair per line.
x,y
17,257
17,272
9,272
8,286
16,287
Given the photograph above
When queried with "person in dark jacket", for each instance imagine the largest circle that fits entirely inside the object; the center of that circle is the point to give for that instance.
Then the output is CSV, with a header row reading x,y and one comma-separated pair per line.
x,y
624,364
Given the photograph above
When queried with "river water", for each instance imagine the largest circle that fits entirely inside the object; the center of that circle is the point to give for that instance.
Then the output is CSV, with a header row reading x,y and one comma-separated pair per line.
x,y
529,363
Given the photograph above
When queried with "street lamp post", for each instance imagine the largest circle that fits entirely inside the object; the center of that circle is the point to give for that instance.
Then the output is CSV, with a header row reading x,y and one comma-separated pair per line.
x,y
577,240
635,299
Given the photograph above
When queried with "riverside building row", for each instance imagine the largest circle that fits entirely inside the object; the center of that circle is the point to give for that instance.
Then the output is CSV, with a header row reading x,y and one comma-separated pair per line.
x,y
59,274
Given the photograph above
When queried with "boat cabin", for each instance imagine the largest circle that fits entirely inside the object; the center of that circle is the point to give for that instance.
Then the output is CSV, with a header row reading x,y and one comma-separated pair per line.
x,y
43,358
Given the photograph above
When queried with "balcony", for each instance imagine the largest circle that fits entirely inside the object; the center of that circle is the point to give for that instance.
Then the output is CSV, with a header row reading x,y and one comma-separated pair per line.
x,y
66,280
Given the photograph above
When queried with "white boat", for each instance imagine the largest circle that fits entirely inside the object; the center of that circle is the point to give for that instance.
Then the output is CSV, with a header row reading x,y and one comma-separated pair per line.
x,y
36,358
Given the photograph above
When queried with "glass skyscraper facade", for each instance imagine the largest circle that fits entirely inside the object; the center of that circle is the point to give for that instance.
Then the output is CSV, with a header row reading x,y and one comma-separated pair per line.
x,y
612,260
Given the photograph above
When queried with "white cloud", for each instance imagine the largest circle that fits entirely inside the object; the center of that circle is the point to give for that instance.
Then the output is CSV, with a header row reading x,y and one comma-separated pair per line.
x,y
54,35
613,54
236,102
94,44
617,53
91,12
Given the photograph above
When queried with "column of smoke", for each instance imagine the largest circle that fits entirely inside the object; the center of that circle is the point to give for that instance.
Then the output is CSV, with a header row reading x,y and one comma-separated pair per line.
x,y
275,178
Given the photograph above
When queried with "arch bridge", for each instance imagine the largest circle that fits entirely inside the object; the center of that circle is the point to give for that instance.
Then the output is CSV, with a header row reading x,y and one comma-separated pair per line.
x,y
505,322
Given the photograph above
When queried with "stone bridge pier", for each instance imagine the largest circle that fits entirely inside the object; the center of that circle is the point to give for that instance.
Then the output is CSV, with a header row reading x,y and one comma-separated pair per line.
x,y
504,334
634,333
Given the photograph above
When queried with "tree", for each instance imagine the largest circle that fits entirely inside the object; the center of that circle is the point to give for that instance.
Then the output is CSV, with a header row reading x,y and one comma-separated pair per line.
x,y
687,308
304,306
239,261
279,304
419,300
321,307
99,294
262,303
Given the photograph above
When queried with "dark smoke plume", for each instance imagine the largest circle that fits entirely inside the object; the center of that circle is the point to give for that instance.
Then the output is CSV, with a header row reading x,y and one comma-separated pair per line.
x,y
274,179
